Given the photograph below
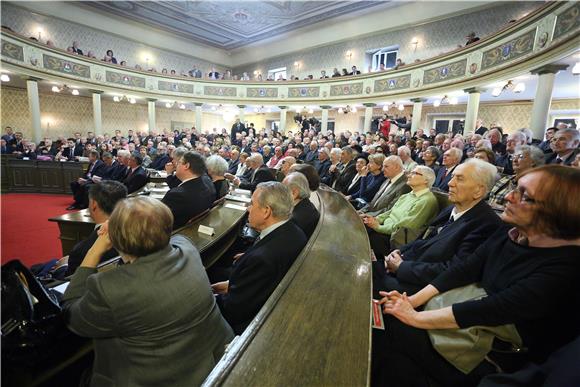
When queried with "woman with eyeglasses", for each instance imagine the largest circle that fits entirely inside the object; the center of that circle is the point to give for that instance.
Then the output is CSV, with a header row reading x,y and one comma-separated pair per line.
x,y
529,270
525,158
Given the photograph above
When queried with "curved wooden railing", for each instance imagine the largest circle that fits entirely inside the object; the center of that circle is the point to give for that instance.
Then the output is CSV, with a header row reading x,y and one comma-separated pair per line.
x,y
543,36
315,327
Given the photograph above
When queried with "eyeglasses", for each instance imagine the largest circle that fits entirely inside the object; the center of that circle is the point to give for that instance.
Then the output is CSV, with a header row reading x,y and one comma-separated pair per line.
x,y
520,195
520,156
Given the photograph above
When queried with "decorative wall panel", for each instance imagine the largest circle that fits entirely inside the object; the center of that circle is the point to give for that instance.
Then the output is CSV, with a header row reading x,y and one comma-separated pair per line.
x,y
220,91
402,82
346,89
445,72
12,50
65,66
513,49
175,86
261,92
303,92
124,79
567,21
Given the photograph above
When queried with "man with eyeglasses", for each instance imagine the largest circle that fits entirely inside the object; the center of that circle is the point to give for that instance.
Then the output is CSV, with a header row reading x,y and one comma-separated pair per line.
x,y
564,144
529,271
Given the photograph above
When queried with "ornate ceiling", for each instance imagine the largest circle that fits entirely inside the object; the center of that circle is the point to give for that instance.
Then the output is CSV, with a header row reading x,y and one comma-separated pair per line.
x,y
232,24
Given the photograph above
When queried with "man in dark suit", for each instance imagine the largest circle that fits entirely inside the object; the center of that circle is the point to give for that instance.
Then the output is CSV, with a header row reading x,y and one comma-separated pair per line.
x,y
161,159
479,128
451,158
304,214
234,161
76,48
195,194
137,176
102,200
565,146
545,145
342,179
505,161
453,235
354,71
96,168
237,127
392,188
260,173
323,165
260,269
312,154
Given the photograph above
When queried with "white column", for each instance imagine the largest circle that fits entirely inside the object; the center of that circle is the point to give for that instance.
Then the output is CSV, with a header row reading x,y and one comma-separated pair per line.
x,y
324,123
417,111
241,113
543,98
34,106
97,116
472,111
198,114
151,111
368,117
283,111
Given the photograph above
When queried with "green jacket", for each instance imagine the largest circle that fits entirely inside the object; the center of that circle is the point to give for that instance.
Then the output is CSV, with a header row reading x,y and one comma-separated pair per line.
x,y
410,211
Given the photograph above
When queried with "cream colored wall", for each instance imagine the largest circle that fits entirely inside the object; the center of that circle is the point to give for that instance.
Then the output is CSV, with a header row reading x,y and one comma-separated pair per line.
x,y
64,115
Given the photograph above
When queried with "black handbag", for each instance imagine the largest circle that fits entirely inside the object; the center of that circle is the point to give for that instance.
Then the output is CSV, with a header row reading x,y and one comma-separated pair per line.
x,y
33,328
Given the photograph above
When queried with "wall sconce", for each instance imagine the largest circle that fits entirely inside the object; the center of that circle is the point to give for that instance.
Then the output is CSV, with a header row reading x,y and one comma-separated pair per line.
x,y
415,42
168,105
349,55
576,69
516,88
437,103
39,31
386,107
58,89
132,101
401,107
256,72
520,87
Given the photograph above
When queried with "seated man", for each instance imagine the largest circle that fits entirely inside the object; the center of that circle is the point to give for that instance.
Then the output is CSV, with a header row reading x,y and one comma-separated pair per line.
x,y
343,178
564,144
161,159
451,158
137,176
412,211
259,173
260,269
392,188
195,194
96,168
454,234
305,214
102,200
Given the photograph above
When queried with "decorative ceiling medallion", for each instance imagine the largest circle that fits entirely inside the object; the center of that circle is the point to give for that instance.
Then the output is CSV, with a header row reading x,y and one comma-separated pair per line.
x,y
543,40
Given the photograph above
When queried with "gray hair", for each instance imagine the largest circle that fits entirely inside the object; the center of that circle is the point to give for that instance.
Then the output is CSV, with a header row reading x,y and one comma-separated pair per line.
x,y
528,133
395,160
216,165
427,173
298,181
257,158
335,151
405,149
348,150
535,153
484,143
519,137
574,133
179,152
456,153
276,196
483,172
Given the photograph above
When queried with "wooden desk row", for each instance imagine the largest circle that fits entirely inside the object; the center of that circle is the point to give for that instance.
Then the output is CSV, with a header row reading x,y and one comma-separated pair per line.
x,y
33,176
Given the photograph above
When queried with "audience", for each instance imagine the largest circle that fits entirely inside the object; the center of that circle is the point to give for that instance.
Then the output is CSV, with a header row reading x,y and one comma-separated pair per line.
x,y
151,323
217,167
304,214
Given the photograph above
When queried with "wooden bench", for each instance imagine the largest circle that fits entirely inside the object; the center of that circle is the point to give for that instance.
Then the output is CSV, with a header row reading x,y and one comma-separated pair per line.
x,y
315,328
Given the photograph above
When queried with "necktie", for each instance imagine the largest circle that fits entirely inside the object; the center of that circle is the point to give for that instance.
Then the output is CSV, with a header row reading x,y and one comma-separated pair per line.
x,y
380,192
558,160
446,224
257,240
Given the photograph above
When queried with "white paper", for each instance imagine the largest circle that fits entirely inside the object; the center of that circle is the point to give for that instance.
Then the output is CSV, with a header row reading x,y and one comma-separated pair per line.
x,y
235,207
238,198
206,230
62,287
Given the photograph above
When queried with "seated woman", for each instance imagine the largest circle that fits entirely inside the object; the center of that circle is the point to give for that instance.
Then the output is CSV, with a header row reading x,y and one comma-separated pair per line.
x,y
360,166
217,167
413,211
525,157
155,320
430,157
530,276
371,178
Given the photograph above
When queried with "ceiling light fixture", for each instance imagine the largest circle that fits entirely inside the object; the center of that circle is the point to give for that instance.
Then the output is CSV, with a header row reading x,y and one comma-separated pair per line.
x,y
75,92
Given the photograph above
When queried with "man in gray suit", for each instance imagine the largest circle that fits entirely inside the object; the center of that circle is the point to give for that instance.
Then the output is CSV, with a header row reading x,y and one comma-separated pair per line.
x,y
154,322
390,190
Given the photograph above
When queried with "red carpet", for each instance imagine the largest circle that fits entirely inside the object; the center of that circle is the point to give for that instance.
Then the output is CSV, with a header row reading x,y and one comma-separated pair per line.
x,y
26,232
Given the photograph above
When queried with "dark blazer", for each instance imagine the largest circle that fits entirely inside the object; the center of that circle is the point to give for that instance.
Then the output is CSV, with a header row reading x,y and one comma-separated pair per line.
x,y
258,272
505,161
344,178
322,170
233,166
388,198
116,171
442,181
222,188
154,322
236,128
172,181
189,199
424,259
262,174
136,180
306,216
98,170
77,254
159,162
551,158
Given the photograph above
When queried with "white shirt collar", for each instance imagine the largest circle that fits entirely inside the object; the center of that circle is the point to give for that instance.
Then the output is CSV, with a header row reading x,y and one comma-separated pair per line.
x,y
271,228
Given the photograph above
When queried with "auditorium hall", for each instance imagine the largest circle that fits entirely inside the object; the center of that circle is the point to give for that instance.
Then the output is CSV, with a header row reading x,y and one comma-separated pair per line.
x,y
290,193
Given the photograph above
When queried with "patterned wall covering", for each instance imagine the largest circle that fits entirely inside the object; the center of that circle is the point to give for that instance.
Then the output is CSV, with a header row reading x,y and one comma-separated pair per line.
x,y
261,92
513,49
220,91
434,38
401,82
445,72
567,21
63,32
124,79
12,51
64,66
67,114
